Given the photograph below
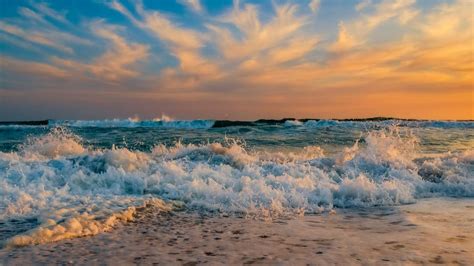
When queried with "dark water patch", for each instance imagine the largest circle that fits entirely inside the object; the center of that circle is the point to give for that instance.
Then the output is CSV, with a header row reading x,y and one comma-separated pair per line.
x,y
12,227
25,123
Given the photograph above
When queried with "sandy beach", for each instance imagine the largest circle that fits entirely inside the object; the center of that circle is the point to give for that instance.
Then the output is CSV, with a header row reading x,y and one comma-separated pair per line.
x,y
411,234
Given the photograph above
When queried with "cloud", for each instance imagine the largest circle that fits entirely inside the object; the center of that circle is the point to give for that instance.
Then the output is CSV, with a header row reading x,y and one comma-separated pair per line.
x,y
357,31
17,42
344,40
46,11
194,5
116,63
33,36
257,37
34,28
363,4
252,58
448,21
33,68
160,26
30,14
170,33
314,5
184,44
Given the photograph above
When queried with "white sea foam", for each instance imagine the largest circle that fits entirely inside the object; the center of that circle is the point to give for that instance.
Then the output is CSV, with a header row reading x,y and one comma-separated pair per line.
x,y
73,190
59,142
85,219
292,123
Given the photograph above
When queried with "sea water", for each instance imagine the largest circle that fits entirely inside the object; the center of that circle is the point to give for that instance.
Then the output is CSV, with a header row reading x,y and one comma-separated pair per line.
x,y
77,178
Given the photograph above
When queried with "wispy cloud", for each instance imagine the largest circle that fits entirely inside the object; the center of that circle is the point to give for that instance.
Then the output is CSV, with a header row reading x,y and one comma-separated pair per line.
x,y
357,31
46,11
257,39
363,4
194,5
33,68
249,54
115,64
314,5
33,36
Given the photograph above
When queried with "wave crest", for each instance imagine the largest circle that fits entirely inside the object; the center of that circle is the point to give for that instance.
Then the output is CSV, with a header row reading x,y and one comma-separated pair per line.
x,y
163,122
56,174
57,143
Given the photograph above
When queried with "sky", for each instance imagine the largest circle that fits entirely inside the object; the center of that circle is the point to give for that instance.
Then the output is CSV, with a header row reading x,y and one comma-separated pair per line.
x,y
223,59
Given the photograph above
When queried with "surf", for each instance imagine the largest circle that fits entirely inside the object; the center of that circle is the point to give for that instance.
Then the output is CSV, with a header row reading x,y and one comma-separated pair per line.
x,y
72,189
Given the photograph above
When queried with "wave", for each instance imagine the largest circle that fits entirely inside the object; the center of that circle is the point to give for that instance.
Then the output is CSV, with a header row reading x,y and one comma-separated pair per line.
x,y
84,220
108,123
325,123
439,124
167,122
73,190
293,123
380,123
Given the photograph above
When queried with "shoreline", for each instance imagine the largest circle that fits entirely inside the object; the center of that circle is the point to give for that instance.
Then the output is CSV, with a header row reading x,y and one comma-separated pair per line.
x,y
431,231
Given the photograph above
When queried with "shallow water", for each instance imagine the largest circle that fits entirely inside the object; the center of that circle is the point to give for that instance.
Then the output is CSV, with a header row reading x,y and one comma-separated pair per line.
x,y
76,178
431,231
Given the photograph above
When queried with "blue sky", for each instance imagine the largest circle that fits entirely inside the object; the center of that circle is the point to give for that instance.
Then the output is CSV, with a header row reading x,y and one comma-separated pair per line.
x,y
235,59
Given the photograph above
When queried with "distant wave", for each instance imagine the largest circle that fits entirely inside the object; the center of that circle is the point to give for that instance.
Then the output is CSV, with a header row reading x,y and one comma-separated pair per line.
x,y
324,123
189,124
380,123
166,122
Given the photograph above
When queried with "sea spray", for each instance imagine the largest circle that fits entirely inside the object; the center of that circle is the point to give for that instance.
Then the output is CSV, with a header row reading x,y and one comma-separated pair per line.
x,y
62,182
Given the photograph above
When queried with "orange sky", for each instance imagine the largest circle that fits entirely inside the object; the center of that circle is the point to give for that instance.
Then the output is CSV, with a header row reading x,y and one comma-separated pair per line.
x,y
388,58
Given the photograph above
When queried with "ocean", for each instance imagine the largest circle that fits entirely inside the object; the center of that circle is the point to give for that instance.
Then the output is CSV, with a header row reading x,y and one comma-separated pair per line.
x,y
62,179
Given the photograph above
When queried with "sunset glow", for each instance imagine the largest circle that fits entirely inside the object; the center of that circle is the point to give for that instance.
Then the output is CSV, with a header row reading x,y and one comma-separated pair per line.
x,y
237,60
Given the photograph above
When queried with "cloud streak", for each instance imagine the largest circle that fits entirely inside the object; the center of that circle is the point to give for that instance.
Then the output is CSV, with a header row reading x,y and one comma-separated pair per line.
x,y
194,5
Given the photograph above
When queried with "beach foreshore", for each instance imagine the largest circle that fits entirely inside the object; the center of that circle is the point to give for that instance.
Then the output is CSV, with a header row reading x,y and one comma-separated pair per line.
x,y
432,231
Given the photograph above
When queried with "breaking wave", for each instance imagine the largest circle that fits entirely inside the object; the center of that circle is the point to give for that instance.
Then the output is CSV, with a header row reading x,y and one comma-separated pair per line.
x,y
132,122
167,122
71,190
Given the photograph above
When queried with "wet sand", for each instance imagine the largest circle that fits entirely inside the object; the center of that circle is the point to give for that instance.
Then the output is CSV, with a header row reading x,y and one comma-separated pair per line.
x,y
435,231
